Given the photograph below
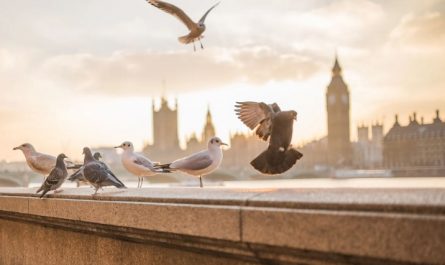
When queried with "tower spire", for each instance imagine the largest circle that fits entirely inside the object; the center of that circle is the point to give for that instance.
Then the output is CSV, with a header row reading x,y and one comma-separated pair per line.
x,y
336,70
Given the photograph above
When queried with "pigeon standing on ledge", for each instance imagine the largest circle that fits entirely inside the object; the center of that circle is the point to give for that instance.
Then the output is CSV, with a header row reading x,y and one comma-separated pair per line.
x,y
201,163
56,177
196,29
137,164
97,173
269,121
78,175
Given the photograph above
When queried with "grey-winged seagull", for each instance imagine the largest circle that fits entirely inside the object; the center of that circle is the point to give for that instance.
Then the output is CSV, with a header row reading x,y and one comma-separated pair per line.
x,y
137,164
38,162
56,177
196,29
200,163
270,121
97,173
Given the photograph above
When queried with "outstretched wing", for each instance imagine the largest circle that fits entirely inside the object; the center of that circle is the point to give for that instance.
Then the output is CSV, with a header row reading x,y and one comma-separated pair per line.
x,y
257,116
175,11
202,20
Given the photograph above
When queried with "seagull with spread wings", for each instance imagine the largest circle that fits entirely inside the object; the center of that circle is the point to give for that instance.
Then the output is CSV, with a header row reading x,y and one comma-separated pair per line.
x,y
196,29
270,123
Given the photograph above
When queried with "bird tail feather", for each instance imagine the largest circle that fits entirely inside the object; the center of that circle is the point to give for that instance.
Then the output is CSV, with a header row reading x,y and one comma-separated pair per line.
x,y
45,191
185,39
272,161
164,168
113,180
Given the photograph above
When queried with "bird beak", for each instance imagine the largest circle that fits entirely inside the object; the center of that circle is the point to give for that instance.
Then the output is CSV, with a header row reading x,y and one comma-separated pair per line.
x,y
119,146
16,148
224,144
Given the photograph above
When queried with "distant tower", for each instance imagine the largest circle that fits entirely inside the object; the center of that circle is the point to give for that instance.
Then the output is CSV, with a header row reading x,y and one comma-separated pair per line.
x,y
337,102
377,134
209,129
363,134
165,127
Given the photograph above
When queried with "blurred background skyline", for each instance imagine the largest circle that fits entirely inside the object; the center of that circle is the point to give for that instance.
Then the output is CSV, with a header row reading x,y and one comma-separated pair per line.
x,y
84,73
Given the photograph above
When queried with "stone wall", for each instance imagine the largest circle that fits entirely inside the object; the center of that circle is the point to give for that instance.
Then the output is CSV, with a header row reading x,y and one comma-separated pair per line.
x,y
223,226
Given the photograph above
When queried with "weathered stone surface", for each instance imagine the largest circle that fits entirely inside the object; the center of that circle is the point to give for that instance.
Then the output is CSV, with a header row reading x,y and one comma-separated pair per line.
x,y
196,220
384,236
29,244
230,226
14,204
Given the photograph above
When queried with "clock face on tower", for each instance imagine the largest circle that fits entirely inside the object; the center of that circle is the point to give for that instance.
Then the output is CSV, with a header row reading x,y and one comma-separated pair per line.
x,y
344,99
331,99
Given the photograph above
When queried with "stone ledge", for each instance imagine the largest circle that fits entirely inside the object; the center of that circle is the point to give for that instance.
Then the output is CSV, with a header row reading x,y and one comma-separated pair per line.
x,y
289,226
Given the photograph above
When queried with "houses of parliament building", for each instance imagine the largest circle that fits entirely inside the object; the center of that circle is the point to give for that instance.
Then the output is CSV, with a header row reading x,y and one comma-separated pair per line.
x,y
417,144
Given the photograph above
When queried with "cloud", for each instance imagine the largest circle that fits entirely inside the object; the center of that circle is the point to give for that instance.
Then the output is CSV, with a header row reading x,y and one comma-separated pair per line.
x,y
420,32
141,73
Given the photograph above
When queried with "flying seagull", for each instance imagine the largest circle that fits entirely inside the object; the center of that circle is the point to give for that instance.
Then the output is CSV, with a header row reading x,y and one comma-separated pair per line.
x,y
270,123
55,178
137,164
201,163
196,29
97,173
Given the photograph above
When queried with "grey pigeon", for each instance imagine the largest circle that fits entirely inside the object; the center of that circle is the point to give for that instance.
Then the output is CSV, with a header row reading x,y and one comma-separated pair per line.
x,y
97,173
196,29
78,175
56,177
270,123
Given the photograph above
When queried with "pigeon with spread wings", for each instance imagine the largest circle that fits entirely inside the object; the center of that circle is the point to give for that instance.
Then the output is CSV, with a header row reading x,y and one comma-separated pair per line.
x,y
273,125
196,29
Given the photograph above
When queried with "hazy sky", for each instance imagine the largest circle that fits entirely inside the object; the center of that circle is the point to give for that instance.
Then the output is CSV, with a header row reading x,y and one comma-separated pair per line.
x,y
83,73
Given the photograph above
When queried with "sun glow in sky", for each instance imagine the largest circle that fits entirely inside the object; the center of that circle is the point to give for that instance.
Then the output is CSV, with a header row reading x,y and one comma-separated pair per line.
x,y
83,73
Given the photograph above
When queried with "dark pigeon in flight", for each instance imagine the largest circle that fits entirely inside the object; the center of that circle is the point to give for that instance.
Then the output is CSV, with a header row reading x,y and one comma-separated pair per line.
x,y
273,125
56,177
97,173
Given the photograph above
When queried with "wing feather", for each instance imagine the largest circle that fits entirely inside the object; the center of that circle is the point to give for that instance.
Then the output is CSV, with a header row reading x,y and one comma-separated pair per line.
x,y
257,116
196,161
174,11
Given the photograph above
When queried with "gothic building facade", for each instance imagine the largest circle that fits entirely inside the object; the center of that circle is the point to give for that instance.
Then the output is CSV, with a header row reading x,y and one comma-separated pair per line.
x,y
368,151
415,145
337,105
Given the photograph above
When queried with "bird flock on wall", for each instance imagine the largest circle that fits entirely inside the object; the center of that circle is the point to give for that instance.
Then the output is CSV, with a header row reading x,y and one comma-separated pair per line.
x,y
267,121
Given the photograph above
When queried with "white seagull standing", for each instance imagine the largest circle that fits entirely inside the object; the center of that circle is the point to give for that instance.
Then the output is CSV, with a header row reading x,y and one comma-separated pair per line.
x,y
137,164
196,29
201,163
38,162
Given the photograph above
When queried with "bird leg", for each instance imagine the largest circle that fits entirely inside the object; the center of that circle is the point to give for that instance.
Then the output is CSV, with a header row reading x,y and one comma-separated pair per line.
x,y
95,190
142,181
194,47
202,47
200,181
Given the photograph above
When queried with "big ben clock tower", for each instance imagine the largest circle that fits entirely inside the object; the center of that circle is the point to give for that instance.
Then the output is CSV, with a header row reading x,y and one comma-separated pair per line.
x,y
337,103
